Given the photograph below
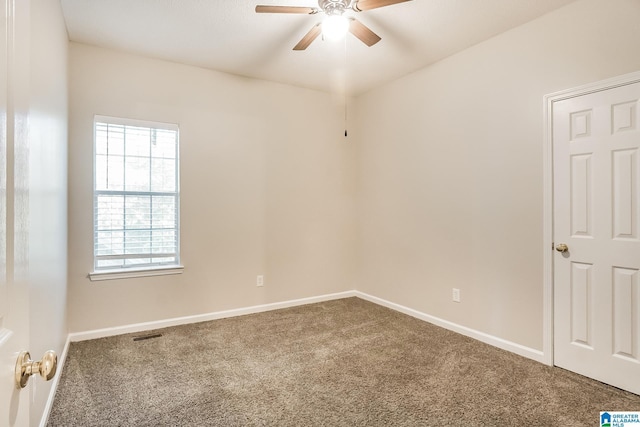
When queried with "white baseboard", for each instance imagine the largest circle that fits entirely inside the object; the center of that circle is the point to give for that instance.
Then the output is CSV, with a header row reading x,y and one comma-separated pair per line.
x,y
139,327
54,384
519,349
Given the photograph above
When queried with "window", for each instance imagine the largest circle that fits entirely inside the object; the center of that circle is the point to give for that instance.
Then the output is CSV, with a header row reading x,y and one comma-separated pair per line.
x,y
136,198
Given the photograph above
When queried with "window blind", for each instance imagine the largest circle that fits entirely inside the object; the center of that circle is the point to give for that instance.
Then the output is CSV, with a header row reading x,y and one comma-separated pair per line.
x,y
136,194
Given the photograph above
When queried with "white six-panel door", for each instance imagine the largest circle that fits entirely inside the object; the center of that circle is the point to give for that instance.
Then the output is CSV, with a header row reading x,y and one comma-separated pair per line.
x,y
596,158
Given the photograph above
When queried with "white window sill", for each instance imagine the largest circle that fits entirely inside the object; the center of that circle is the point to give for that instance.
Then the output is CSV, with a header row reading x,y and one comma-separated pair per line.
x,y
131,273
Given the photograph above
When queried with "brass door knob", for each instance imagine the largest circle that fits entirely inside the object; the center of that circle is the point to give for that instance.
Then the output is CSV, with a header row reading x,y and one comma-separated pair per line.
x,y
25,367
562,247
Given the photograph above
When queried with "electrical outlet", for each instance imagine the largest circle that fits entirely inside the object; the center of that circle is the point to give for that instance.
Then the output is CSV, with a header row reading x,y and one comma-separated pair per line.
x,y
260,280
456,295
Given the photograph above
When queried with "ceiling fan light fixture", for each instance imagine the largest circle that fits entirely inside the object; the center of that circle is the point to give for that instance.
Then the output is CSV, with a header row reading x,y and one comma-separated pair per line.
x,y
335,27
336,24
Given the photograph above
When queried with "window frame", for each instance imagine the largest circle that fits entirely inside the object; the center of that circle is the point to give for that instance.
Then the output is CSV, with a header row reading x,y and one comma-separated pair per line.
x,y
98,274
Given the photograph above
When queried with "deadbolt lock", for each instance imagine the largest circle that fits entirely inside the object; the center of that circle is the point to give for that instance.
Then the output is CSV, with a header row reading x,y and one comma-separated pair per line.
x,y
25,367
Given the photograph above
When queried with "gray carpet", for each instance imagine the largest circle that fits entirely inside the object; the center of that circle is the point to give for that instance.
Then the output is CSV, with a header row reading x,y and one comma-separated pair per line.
x,y
340,363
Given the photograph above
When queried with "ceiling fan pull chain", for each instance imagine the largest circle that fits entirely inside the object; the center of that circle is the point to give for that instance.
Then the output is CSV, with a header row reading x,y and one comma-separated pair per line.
x,y
345,114
345,89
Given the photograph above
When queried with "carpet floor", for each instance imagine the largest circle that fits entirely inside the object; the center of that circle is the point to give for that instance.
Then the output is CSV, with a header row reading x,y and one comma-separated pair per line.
x,y
339,363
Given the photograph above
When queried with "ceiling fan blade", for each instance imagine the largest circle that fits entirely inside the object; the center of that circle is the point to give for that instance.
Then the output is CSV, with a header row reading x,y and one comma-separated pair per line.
x,y
374,4
363,32
309,37
286,9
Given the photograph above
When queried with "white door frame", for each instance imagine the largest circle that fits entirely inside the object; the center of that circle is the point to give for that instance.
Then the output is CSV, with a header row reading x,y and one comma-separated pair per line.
x,y
547,221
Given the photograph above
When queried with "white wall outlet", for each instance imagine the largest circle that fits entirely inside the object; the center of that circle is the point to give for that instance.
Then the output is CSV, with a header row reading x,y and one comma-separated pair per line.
x,y
260,280
456,295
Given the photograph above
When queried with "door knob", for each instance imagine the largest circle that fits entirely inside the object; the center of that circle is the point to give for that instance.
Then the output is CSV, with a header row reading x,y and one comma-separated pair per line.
x,y
562,247
25,367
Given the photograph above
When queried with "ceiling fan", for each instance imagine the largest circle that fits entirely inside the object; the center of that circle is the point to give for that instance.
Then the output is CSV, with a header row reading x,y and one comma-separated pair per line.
x,y
336,23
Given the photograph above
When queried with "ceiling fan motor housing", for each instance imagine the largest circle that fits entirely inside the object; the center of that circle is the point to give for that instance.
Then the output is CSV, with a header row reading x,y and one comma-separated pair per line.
x,y
333,7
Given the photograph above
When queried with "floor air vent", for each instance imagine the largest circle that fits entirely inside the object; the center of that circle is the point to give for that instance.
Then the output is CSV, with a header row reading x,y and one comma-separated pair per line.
x,y
146,337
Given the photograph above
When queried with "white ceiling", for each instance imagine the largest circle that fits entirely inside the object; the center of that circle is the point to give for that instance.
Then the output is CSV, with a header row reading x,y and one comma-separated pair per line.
x,y
227,35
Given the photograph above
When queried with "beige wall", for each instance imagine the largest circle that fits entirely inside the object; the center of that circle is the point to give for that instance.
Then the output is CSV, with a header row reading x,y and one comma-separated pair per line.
x,y
440,188
267,185
450,168
47,172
